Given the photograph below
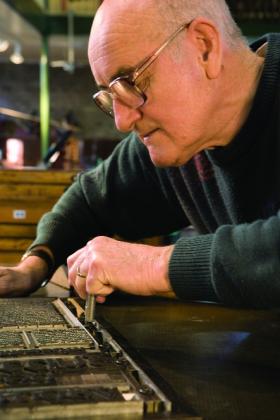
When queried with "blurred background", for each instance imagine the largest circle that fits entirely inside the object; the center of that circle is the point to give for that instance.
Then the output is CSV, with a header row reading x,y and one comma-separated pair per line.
x,y
50,129
45,77
45,74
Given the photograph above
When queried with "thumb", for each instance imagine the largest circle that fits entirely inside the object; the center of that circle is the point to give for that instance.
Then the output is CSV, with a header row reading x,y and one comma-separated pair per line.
x,y
100,289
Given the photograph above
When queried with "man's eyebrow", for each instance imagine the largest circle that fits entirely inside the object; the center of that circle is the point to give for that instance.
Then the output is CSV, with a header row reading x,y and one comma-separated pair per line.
x,y
123,71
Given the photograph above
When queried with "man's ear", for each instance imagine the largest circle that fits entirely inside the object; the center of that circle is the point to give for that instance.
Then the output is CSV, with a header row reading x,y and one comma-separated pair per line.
x,y
207,41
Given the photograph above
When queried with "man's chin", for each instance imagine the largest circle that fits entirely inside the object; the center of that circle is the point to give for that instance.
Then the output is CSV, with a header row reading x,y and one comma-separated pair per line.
x,y
164,160
161,161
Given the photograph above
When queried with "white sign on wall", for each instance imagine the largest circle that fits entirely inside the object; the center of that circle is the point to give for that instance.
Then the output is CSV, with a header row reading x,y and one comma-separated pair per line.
x,y
19,214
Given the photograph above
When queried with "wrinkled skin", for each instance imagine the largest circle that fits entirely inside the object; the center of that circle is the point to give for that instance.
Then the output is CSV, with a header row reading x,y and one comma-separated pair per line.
x,y
111,265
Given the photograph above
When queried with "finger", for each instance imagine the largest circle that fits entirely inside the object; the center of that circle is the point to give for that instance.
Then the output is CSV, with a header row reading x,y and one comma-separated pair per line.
x,y
78,274
80,286
73,257
97,285
83,265
100,299
80,265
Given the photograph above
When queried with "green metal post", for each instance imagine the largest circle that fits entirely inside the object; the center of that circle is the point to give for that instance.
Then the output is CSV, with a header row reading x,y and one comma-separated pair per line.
x,y
44,97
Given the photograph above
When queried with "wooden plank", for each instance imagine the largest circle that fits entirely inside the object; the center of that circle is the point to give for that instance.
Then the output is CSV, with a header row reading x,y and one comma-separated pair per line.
x,y
36,176
10,258
17,231
13,244
23,212
18,192
25,196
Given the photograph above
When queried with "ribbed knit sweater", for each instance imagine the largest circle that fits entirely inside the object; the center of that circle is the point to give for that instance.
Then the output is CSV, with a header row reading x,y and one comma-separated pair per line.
x,y
231,196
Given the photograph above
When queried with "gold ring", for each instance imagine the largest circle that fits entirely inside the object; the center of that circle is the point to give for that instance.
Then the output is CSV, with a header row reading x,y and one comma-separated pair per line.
x,y
79,274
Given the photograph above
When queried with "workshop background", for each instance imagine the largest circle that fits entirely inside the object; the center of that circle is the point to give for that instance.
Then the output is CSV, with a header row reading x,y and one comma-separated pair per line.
x,y
45,71
48,120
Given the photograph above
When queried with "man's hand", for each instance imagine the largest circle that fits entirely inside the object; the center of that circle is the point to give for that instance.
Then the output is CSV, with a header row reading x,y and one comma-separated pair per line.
x,y
111,265
23,279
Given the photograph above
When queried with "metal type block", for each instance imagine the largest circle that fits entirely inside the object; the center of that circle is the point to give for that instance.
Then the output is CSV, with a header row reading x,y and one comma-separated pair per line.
x,y
60,372
71,337
29,312
10,340
83,369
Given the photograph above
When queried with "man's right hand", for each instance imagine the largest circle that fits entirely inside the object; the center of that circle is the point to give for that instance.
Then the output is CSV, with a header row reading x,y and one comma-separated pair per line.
x,y
22,279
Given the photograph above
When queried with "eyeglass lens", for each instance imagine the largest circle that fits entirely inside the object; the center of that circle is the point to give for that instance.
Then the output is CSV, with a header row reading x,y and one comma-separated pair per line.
x,y
127,93
123,91
104,101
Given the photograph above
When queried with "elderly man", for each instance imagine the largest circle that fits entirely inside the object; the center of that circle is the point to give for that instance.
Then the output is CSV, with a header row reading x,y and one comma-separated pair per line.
x,y
203,111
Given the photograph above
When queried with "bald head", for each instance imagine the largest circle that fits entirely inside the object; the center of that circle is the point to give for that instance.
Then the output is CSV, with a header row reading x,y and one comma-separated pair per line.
x,y
125,17
167,15
215,10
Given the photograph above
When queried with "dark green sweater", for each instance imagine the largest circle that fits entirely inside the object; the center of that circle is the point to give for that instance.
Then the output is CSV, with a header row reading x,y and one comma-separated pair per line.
x,y
231,196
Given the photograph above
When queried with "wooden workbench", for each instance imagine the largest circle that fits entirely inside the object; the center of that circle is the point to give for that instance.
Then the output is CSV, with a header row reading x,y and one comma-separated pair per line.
x,y
223,364
217,363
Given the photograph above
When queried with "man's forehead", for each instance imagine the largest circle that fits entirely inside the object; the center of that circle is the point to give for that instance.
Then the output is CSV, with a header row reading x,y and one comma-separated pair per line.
x,y
117,41
113,54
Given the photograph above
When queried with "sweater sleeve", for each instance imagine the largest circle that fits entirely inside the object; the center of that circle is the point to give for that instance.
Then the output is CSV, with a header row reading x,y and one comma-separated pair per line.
x,y
125,195
237,265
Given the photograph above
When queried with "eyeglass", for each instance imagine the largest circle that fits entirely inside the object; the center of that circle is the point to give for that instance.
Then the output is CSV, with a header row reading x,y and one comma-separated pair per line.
x,y
124,89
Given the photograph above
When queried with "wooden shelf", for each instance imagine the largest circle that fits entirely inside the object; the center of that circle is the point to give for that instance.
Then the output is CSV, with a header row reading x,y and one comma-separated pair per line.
x,y
25,196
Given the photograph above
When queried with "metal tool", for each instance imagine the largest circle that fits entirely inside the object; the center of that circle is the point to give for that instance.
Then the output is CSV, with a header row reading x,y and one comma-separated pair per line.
x,y
90,308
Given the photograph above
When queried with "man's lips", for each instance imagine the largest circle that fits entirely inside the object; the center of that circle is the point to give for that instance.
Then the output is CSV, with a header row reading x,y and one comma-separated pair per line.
x,y
145,136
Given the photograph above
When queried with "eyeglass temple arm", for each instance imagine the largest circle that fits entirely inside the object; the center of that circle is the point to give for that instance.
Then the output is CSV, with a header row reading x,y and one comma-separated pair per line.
x,y
152,58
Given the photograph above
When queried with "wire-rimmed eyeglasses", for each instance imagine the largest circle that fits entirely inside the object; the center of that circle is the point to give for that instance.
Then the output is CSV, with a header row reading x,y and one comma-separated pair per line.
x,y
124,88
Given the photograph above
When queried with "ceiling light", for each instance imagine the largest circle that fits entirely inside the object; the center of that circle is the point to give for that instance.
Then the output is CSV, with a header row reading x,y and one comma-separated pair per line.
x,y
17,57
4,45
57,63
65,65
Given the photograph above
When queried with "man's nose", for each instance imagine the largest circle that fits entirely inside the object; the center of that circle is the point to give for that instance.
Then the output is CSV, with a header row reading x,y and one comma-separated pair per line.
x,y
125,116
